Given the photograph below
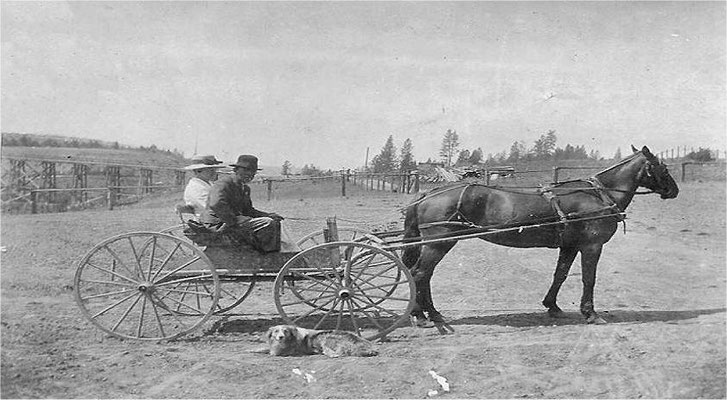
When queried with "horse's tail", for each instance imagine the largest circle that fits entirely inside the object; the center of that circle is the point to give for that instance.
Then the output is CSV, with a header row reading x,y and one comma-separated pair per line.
x,y
411,230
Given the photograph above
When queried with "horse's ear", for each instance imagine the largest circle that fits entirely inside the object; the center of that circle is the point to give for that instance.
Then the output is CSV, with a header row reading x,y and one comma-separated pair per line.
x,y
646,152
634,149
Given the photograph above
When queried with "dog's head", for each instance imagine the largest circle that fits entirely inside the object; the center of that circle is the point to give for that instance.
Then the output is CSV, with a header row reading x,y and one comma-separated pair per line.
x,y
282,339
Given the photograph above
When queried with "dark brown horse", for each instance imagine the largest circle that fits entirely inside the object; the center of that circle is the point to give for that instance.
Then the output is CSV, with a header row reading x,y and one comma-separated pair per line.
x,y
575,216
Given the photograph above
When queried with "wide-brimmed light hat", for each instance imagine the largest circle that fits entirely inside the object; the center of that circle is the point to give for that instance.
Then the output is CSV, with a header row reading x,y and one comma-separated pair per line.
x,y
246,161
202,162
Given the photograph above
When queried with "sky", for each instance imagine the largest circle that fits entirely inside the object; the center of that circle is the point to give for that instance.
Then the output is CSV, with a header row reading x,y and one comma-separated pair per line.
x,y
321,82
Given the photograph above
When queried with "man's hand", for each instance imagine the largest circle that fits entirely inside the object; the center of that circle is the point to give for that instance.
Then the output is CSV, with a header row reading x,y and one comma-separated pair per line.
x,y
276,217
223,228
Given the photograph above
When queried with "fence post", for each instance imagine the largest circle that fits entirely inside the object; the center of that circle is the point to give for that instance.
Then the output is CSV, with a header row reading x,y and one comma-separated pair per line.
x,y
33,202
416,181
110,198
555,174
270,188
684,171
343,183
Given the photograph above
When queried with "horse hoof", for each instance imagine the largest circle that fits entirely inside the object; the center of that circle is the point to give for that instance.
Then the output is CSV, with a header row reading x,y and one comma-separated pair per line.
x,y
422,323
595,320
556,313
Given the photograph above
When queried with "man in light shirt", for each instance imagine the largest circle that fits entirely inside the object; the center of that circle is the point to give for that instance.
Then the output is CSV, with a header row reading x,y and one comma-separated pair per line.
x,y
196,194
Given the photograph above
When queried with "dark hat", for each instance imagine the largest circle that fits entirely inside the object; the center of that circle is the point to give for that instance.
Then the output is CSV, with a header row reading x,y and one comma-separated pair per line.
x,y
200,162
246,161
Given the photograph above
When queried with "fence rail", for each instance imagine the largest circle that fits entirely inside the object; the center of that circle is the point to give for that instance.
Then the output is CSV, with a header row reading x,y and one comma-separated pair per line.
x,y
37,185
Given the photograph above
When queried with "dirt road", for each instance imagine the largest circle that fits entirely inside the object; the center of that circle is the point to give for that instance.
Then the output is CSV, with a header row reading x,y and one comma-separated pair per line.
x,y
661,287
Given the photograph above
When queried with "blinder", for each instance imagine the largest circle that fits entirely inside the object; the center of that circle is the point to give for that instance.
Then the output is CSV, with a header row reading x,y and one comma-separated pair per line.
x,y
655,176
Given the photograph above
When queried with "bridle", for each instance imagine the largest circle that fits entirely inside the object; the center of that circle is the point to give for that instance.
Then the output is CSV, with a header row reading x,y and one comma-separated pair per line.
x,y
647,170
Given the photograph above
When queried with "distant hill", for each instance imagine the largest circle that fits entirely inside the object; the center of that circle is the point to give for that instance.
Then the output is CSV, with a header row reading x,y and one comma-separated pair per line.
x,y
150,158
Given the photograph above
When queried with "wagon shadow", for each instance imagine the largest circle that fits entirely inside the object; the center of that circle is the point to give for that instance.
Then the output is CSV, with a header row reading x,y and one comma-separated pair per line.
x,y
236,324
533,319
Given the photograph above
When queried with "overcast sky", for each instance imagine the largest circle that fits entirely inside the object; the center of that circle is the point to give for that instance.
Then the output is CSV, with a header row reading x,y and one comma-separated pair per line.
x,y
320,82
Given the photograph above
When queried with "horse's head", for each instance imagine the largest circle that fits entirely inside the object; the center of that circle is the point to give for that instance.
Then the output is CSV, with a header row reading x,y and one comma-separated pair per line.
x,y
655,176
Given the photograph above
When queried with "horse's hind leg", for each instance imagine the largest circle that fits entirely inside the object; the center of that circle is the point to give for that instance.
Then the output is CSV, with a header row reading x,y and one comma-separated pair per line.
x,y
565,260
589,260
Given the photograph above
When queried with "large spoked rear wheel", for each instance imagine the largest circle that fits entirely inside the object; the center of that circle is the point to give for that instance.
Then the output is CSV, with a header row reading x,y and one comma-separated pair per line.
x,y
352,286
147,286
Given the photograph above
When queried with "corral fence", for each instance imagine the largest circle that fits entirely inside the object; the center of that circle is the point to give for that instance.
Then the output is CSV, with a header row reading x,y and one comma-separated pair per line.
x,y
344,183
37,186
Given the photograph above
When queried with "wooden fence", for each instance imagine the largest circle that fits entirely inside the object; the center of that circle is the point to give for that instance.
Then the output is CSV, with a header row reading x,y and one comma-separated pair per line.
x,y
52,185
41,185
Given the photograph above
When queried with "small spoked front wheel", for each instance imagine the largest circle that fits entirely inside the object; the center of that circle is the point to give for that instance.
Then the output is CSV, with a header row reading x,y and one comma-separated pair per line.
x,y
146,285
352,286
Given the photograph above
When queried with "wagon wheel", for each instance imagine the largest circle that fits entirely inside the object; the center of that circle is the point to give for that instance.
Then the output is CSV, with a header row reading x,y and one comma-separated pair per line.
x,y
146,285
176,230
345,234
346,286
232,292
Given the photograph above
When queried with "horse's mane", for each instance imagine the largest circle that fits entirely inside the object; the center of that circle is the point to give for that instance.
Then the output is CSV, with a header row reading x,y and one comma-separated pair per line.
x,y
620,163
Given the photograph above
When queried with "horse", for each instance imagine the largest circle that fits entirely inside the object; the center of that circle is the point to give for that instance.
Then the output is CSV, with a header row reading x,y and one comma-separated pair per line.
x,y
573,216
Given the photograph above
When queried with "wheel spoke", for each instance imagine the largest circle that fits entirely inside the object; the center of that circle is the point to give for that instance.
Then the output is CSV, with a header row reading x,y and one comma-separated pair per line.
x,y
333,307
126,313
181,280
102,295
368,316
137,259
118,260
112,306
353,316
316,309
113,283
141,317
303,301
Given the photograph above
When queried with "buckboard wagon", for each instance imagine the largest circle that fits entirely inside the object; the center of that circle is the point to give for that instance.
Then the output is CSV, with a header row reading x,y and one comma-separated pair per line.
x,y
162,285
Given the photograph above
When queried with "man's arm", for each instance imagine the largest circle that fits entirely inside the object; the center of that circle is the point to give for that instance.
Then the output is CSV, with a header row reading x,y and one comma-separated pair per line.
x,y
220,203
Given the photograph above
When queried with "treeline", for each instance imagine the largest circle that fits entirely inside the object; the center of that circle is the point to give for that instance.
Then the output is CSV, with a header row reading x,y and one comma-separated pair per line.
x,y
35,140
450,153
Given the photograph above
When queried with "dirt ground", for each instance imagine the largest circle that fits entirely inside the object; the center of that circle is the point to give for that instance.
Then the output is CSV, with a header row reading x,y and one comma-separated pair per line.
x,y
661,287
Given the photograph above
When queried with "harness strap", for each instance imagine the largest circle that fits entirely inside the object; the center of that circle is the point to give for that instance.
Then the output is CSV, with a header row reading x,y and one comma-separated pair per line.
x,y
601,190
458,216
548,194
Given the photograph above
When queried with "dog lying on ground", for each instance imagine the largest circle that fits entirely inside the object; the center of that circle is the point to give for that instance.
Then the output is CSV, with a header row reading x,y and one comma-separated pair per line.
x,y
289,340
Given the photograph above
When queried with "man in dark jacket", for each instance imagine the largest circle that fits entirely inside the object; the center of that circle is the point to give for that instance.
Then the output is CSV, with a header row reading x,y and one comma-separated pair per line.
x,y
230,209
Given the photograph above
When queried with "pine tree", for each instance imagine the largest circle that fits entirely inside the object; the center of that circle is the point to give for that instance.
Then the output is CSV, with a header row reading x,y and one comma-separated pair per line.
x,y
544,147
450,143
517,152
406,158
385,161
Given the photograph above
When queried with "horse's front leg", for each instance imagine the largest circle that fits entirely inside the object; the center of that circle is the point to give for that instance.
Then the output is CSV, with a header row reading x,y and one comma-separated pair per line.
x,y
565,260
589,261
422,272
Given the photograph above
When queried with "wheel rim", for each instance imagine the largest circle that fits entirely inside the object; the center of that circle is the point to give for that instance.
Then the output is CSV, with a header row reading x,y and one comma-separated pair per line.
x,y
352,286
146,285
